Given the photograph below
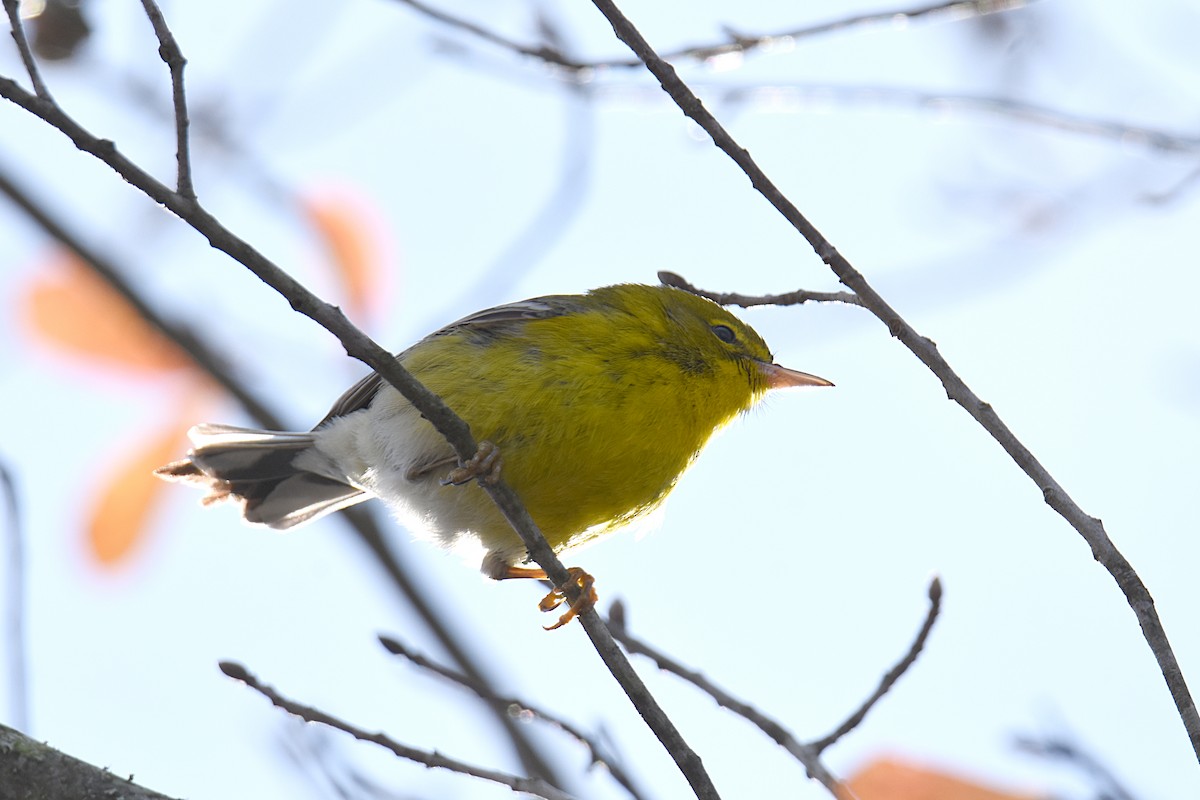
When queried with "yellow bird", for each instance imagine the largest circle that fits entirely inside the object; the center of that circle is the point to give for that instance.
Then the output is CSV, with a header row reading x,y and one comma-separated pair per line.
x,y
594,404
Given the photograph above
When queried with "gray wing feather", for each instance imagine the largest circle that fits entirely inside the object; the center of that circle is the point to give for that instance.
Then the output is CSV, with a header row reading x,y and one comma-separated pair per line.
x,y
360,395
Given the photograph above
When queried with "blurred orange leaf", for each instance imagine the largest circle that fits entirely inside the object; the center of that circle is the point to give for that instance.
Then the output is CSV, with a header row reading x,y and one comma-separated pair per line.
x,y
118,522
355,240
890,779
70,306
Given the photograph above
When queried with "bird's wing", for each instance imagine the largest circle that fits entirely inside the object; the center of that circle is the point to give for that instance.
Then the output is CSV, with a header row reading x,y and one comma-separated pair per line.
x,y
360,395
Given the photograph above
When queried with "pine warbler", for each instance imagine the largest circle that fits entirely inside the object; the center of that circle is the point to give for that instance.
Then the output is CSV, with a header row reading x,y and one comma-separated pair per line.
x,y
594,405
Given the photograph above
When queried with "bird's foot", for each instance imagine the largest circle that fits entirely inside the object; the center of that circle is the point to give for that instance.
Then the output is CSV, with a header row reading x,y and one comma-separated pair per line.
x,y
484,465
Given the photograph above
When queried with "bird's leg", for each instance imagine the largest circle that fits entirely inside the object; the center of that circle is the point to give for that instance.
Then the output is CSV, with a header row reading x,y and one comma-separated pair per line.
x,y
484,465
578,578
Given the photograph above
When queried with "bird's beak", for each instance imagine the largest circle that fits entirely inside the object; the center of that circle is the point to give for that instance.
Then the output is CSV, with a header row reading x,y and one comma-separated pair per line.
x,y
780,377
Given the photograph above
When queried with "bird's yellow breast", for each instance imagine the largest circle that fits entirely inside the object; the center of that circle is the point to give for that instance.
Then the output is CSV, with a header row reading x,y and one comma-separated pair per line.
x,y
605,419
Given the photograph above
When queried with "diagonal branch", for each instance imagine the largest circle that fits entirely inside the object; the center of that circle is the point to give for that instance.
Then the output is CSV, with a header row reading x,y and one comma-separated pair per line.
x,y
33,769
534,786
1090,528
358,345
487,694
803,753
203,356
364,524
892,675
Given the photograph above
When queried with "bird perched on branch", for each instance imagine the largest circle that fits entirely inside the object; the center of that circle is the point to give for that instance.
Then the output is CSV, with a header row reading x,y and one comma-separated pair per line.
x,y
590,406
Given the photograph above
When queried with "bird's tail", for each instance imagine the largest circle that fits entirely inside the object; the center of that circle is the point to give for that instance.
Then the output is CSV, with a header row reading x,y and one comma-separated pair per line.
x,y
260,470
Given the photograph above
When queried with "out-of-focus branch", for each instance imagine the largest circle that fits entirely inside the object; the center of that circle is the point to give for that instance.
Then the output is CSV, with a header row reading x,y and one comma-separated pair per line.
x,y
445,421
1108,786
396,647
734,43
14,602
1088,527
803,753
795,298
363,523
781,96
534,786
1126,133
33,769
892,675
203,356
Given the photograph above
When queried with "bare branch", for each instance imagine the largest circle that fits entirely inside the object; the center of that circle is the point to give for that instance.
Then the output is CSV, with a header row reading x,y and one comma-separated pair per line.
x,y
534,786
33,769
488,695
12,8
1090,528
168,50
735,43
798,297
774,730
892,675
547,53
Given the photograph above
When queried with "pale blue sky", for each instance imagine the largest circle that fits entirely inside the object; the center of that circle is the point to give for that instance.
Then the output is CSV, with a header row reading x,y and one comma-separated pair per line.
x,y
791,563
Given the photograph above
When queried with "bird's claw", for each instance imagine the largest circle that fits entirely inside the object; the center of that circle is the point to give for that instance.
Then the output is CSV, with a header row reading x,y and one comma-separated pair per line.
x,y
484,465
587,597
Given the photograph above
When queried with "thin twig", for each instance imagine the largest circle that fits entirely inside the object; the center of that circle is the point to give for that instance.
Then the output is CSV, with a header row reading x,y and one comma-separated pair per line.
x,y
795,298
1090,528
550,55
735,43
364,524
168,50
445,421
892,675
12,8
14,634
773,729
534,786
487,694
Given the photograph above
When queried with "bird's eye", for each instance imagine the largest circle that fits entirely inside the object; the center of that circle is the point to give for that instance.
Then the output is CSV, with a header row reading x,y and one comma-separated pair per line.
x,y
724,333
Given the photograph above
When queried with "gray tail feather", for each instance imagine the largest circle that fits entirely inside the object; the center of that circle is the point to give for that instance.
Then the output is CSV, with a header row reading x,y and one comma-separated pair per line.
x,y
258,469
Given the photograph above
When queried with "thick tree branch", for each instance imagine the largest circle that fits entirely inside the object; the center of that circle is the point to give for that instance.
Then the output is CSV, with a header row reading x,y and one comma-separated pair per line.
x,y
32,770
1090,528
